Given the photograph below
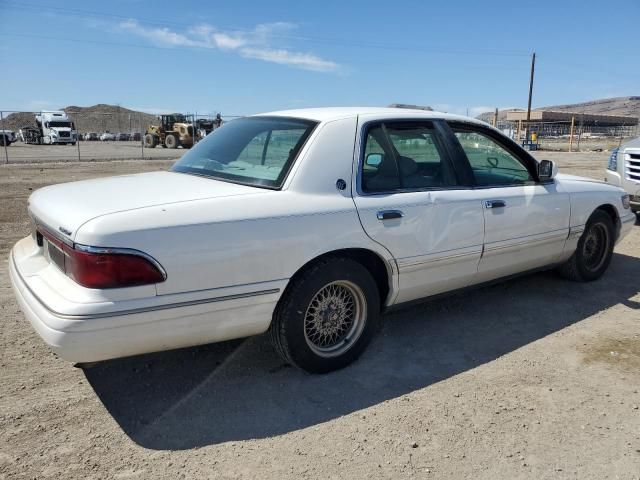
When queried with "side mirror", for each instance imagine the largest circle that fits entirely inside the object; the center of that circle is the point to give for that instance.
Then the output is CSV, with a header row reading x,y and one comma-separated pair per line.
x,y
547,170
373,160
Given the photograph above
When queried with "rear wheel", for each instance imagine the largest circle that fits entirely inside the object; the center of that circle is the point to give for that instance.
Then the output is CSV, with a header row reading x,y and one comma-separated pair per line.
x,y
595,249
328,316
150,141
171,141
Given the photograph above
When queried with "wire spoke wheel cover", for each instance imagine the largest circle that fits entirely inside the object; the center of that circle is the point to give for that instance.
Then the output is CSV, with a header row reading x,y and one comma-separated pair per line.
x,y
595,246
335,318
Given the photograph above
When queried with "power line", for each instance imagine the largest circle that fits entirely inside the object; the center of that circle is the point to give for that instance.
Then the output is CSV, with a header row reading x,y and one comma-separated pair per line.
x,y
304,38
99,42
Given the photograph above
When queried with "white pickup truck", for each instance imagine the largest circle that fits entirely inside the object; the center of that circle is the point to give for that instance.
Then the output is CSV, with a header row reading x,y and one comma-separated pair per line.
x,y
624,171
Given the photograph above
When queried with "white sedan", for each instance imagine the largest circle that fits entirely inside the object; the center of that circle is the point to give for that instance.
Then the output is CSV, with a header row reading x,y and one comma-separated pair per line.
x,y
304,223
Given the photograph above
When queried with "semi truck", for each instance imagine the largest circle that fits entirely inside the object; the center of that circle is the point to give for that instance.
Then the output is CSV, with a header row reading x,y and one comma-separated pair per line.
x,y
53,127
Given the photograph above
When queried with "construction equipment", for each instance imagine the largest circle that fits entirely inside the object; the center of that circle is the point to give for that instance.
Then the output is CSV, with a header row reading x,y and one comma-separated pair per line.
x,y
174,130
204,127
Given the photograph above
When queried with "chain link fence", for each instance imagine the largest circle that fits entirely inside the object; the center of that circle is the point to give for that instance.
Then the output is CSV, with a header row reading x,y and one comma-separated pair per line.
x,y
87,135
568,136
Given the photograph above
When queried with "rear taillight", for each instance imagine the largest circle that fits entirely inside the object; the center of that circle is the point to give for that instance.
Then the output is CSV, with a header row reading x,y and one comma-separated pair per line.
x,y
109,268
95,267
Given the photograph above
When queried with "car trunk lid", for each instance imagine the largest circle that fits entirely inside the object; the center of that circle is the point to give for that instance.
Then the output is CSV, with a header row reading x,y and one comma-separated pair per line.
x,y
64,208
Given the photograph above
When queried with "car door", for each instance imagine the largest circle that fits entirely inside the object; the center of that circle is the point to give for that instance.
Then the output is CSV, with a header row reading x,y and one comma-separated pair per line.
x,y
526,221
410,200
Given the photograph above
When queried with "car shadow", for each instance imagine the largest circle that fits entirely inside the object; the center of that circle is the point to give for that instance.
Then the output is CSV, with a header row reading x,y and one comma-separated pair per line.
x,y
242,390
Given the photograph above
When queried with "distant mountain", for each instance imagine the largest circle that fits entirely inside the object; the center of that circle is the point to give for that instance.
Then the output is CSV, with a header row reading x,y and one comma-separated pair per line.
x,y
98,118
626,106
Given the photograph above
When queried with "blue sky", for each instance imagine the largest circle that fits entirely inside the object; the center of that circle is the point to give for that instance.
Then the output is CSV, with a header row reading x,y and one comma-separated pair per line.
x,y
242,57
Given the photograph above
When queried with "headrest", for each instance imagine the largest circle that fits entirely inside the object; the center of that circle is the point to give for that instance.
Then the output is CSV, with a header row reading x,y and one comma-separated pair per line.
x,y
387,167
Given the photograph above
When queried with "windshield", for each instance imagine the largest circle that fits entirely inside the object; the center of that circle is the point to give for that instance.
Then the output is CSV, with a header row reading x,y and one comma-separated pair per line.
x,y
256,151
59,124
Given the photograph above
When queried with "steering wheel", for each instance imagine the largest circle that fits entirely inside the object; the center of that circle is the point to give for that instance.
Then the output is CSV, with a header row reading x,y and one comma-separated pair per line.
x,y
493,161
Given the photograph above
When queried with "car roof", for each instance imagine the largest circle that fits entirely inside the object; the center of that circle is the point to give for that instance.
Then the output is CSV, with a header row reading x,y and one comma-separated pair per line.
x,y
326,114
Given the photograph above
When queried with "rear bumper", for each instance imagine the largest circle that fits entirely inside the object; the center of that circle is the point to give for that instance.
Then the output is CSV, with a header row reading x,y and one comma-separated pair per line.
x,y
91,338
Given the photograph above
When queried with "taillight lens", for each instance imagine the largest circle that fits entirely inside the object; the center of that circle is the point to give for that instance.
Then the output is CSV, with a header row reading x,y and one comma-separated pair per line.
x,y
102,268
109,270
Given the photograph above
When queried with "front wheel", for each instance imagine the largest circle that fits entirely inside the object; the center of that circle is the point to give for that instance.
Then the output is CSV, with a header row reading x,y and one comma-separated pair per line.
x,y
327,316
595,249
150,141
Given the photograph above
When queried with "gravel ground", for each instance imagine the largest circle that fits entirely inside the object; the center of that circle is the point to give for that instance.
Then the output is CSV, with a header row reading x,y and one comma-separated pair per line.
x,y
534,378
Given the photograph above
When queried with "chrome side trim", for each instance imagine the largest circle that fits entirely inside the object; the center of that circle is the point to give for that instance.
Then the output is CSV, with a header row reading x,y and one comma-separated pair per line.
x,y
416,263
168,306
134,311
526,241
121,251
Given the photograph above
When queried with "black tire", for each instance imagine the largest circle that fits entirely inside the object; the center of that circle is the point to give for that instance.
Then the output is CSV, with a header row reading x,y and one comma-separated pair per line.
x,y
294,322
171,141
2,140
594,251
150,141
73,144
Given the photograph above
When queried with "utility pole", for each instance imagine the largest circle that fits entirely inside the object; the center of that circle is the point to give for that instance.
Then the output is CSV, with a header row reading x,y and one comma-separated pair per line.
x,y
573,124
533,67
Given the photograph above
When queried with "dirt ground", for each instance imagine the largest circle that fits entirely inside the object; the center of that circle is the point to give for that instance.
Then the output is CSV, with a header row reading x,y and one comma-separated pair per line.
x,y
534,378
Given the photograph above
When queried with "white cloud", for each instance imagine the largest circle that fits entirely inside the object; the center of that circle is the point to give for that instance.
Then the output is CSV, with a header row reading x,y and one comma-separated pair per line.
x,y
160,36
230,42
285,57
258,44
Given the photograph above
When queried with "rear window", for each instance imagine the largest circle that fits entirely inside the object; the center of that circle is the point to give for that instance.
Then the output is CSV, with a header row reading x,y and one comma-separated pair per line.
x,y
257,151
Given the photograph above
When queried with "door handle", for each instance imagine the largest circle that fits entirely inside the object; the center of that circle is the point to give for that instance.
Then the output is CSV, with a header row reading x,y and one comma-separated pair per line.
x,y
389,214
495,204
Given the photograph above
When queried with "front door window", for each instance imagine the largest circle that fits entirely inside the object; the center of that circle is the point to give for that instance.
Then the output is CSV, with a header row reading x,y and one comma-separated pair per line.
x,y
491,163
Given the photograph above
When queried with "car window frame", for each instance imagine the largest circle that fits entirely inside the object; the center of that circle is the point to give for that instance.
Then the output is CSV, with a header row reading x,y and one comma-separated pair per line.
x,y
439,134
515,150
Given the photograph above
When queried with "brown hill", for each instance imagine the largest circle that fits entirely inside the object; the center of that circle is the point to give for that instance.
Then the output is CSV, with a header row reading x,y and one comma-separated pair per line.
x,y
626,106
98,118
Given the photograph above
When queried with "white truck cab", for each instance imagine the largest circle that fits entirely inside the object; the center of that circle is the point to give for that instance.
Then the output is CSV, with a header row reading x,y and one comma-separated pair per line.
x,y
624,171
56,128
